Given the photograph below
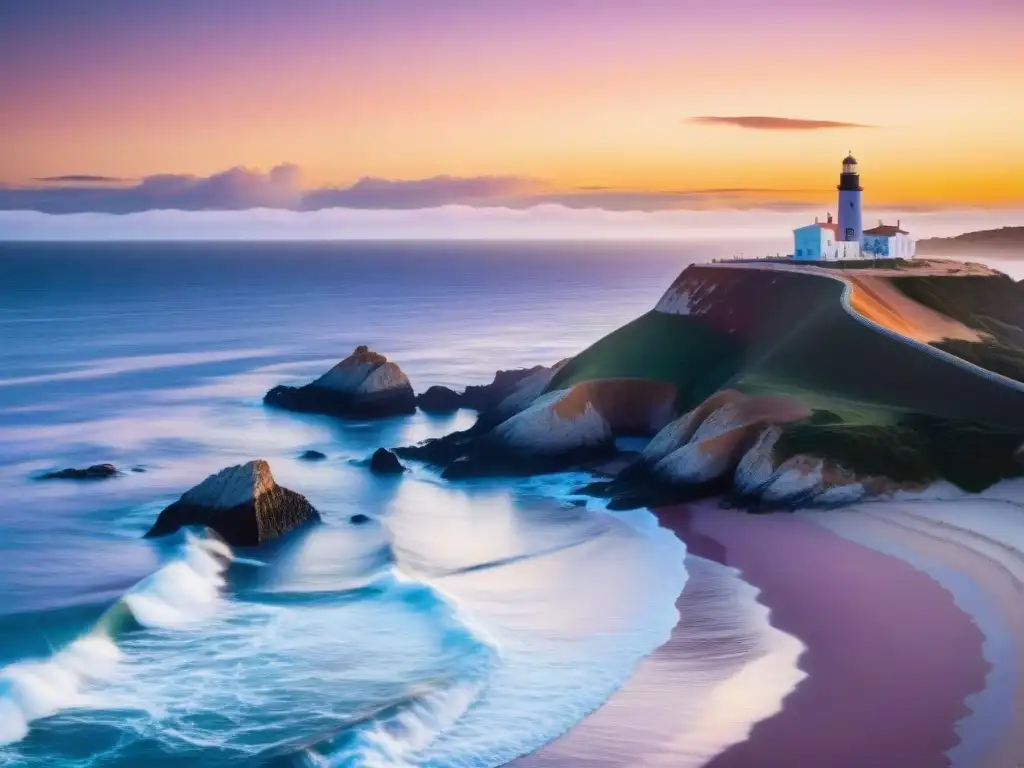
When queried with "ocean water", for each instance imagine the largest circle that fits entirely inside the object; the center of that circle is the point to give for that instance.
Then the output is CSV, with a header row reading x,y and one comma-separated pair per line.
x,y
468,624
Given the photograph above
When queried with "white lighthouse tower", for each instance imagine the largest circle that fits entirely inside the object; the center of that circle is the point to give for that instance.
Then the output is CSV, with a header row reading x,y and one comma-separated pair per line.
x,y
851,227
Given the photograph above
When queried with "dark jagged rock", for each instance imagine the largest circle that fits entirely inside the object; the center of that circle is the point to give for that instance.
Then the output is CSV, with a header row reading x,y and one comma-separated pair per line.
x,y
440,451
487,396
464,455
363,385
439,399
384,462
477,397
359,519
567,428
242,504
95,472
312,455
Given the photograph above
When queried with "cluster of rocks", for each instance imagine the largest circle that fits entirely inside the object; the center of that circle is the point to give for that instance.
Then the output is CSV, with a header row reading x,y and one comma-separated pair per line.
x,y
552,431
527,383
367,385
727,446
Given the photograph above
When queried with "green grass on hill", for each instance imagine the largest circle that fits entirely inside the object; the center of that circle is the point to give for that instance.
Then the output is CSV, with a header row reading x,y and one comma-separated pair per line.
x,y
992,305
845,410
681,350
919,449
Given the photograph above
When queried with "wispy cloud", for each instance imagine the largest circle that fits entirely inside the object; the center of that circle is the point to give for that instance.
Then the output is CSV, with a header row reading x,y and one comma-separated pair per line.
x,y
765,123
81,178
280,188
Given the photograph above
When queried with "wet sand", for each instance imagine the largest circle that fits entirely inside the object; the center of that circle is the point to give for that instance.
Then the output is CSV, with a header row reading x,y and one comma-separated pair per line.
x,y
889,660
690,698
986,574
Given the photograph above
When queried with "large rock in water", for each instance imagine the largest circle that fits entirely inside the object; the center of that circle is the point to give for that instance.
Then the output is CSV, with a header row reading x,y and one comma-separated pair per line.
x,y
363,385
243,504
438,399
384,462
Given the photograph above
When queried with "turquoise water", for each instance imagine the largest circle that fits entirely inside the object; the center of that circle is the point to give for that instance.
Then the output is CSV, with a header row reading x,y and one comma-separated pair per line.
x,y
467,624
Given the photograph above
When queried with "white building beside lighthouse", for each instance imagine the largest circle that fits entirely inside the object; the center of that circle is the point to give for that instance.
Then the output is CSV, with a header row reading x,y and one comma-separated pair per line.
x,y
888,241
846,238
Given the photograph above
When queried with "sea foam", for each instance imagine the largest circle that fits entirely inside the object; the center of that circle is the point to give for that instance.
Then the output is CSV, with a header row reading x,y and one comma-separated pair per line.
x,y
180,593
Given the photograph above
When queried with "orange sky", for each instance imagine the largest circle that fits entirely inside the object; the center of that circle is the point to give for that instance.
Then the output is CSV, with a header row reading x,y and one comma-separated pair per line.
x,y
569,95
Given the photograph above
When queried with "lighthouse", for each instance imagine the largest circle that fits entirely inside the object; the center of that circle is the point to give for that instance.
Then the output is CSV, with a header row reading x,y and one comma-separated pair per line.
x,y
851,227
846,239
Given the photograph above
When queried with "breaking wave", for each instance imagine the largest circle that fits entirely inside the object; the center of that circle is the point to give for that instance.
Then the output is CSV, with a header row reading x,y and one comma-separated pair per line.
x,y
374,646
181,593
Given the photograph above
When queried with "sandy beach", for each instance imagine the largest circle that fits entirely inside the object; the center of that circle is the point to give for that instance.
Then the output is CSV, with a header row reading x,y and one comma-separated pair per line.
x,y
893,659
971,547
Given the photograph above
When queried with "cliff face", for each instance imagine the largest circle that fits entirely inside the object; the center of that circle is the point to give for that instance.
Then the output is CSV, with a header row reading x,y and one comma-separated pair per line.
x,y
773,386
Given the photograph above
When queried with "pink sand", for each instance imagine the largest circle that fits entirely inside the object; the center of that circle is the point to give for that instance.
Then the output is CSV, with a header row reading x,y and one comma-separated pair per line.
x,y
890,658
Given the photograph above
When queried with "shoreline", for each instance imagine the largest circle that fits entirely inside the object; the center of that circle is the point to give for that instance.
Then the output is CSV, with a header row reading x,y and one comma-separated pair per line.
x,y
721,643
985,574
878,689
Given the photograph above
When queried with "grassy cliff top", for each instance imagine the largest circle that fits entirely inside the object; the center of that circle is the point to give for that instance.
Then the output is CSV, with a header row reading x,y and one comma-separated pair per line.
x,y
880,404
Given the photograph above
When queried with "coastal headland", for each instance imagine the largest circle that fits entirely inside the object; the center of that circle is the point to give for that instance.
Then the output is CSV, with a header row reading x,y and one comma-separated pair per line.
x,y
883,412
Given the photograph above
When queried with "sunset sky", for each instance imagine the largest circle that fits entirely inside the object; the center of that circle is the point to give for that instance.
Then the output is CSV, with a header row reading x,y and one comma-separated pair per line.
x,y
609,103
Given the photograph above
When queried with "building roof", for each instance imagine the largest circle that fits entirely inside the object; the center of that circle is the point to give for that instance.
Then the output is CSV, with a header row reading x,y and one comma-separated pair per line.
x,y
886,230
850,160
830,225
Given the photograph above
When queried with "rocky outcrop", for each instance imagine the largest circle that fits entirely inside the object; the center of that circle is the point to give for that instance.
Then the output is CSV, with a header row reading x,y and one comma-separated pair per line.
x,y
509,392
384,462
242,504
311,455
363,385
728,446
527,389
712,439
557,430
95,472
